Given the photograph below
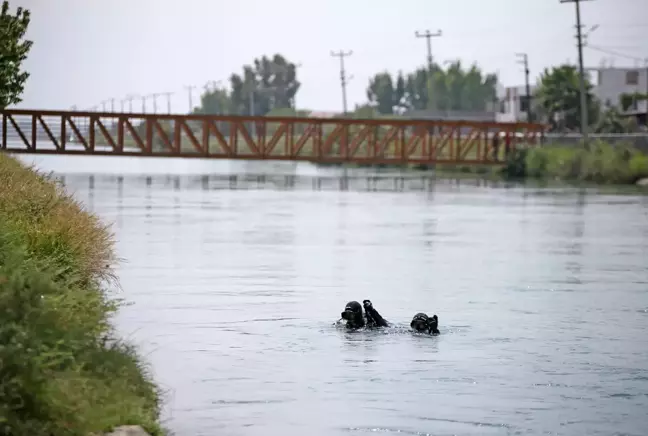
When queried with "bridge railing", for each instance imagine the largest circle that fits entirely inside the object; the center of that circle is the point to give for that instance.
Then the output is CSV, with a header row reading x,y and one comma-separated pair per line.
x,y
261,138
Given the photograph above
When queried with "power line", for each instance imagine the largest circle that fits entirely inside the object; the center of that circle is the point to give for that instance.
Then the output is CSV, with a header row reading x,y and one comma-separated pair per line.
x,y
343,78
583,96
615,53
525,61
627,25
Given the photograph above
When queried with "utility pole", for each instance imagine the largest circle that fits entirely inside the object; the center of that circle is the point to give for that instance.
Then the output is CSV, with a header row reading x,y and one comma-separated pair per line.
x,y
428,36
143,104
343,78
583,95
168,95
210,86
112,105
154,96
190,89
525,61
129,99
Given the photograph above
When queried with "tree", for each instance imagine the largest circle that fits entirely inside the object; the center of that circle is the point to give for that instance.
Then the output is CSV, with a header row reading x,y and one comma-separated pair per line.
x,y
558,95
268,84
365,111
385,95
628,99
455,89
610,121
459,89
416,90
215,102
264,87
13,51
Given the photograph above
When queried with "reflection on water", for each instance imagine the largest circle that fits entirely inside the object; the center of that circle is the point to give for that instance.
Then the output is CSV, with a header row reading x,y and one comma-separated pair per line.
x,y
235,280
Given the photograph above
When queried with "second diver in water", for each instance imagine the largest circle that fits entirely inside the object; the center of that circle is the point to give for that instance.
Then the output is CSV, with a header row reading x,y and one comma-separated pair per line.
x,y
421,323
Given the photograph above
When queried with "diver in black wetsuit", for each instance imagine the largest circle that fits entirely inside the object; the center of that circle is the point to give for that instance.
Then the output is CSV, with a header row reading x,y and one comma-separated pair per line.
x,y
421,323
355,318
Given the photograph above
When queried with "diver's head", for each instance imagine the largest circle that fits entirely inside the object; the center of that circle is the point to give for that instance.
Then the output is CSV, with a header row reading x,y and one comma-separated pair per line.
x,y
423,323
420,322
353,315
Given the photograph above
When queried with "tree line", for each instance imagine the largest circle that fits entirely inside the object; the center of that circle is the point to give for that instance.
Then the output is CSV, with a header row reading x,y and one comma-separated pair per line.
x,y
269,86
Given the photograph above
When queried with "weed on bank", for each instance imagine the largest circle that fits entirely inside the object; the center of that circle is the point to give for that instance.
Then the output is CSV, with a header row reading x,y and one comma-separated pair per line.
x,y
63,369
600,163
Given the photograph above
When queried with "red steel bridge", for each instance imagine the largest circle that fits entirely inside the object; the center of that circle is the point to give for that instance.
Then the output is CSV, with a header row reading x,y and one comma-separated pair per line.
x,y
319,140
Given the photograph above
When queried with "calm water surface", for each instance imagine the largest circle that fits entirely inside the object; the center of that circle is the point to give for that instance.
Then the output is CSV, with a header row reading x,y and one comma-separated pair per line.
x,y
236,279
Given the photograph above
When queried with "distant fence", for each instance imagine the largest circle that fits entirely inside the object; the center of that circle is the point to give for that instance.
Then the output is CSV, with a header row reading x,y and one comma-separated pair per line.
x,y
638,140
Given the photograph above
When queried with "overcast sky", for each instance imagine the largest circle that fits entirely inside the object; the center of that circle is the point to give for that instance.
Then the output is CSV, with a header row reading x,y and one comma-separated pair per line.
x,y
86,51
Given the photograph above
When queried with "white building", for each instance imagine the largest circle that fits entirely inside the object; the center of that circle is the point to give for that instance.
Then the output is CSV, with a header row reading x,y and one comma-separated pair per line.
x,y
612,82
609,84
512,103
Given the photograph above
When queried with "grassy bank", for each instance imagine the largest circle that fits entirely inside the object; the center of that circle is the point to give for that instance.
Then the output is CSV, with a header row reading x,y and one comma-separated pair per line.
x,y
63,369
601,163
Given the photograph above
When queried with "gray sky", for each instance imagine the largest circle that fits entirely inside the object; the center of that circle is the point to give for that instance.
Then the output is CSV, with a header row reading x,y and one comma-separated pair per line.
x,y
86,51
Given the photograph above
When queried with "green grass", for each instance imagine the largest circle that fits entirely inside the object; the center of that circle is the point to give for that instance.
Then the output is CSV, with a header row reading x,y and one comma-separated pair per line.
x,y
64,370
601,163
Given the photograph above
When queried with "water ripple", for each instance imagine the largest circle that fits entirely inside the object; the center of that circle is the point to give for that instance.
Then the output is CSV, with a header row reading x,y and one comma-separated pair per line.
x,y
236,280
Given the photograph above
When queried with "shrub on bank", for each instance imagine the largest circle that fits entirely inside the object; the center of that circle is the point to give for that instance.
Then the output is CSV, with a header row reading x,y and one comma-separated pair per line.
x,y
63,369
600,163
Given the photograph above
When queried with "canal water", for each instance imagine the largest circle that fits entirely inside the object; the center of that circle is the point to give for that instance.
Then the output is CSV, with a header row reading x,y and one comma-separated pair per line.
x,y
236,277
